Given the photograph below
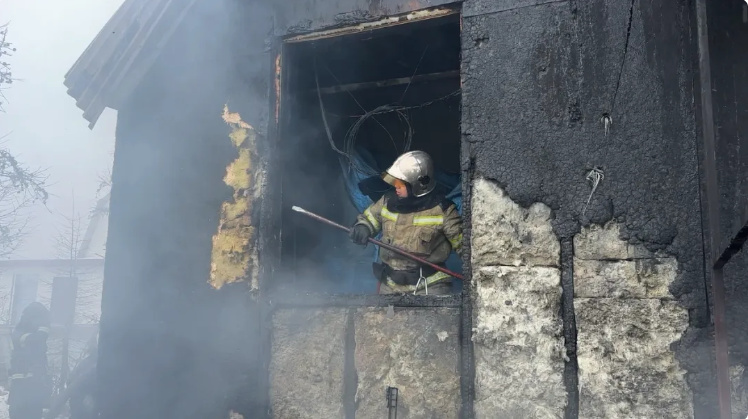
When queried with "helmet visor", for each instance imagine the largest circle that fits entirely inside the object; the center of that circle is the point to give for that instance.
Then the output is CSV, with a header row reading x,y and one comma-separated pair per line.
x,y
391,179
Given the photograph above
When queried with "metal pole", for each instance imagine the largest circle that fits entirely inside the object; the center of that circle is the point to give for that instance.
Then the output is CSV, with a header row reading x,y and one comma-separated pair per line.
x,y
378,243
392,402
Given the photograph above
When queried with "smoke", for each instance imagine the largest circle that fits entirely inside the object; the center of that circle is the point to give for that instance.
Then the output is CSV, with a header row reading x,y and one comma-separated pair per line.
x,y
170,344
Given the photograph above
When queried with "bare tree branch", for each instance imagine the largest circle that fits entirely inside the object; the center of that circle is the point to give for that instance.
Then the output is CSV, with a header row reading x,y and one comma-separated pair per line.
x,y
20,186
6,50
105,182
68,244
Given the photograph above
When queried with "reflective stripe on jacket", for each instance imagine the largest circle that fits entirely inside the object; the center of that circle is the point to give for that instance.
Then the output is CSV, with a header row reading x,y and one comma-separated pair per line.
x,y
427,282
431,234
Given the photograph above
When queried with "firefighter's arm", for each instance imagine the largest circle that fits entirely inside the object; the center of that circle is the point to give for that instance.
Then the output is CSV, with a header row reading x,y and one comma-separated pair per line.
x,y
35,338
453,228
371,217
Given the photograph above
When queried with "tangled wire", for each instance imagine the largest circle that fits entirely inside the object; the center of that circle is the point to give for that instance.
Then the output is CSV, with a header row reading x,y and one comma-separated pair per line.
x,y
349,142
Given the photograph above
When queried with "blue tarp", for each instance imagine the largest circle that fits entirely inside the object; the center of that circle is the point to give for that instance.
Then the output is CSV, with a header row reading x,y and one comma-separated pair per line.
x,y
357,275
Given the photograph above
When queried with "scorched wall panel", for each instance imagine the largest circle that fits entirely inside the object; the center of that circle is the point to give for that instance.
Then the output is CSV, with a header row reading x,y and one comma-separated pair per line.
x,y
539,80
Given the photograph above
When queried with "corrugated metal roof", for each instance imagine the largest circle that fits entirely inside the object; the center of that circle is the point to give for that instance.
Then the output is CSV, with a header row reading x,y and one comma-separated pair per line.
x,y
120,55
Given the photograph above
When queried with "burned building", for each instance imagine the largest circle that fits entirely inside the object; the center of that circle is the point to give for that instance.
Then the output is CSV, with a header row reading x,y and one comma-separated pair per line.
x,y
593,148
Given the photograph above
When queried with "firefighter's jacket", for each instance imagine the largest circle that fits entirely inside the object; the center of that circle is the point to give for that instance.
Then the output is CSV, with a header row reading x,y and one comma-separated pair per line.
x,y
430,233
29,356
30,385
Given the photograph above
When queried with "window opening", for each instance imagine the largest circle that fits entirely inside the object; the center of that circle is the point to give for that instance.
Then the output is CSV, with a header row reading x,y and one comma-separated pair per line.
x,y
352,104
62,304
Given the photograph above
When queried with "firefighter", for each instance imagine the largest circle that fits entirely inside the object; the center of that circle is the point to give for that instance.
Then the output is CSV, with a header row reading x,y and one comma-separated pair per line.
x,y
83,385
29,382
416,219
80,389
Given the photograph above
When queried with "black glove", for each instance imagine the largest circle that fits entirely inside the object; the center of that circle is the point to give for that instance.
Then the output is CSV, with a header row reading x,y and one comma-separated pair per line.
x,y
360,234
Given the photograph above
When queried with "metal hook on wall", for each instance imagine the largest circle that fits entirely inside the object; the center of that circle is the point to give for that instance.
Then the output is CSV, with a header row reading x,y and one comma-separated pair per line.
x,y
595,176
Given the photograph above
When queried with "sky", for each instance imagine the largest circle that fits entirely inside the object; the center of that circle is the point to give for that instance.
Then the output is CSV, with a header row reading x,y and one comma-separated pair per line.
x,y
44,128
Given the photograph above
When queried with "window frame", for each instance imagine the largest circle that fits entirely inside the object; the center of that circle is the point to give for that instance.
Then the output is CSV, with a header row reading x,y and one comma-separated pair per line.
x,y
270,247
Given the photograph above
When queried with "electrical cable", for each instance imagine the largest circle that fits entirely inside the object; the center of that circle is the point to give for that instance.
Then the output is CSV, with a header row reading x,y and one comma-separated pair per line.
x,y
350,139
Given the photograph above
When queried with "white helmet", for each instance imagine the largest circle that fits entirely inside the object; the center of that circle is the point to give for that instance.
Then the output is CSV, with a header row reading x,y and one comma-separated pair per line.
x,y
414,168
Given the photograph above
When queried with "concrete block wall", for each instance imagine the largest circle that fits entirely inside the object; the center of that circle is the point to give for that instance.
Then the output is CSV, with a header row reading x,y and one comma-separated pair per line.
x,y
326,362
627,320
519,344
306,371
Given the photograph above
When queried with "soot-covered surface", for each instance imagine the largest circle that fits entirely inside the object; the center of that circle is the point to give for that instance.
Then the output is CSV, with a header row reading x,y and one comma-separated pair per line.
x,y
532,105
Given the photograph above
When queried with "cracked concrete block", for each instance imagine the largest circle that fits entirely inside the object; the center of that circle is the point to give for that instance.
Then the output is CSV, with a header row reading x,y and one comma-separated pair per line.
x,y
306,369
637,278
603,243
626,367
503,233
518,343
739,392
415,350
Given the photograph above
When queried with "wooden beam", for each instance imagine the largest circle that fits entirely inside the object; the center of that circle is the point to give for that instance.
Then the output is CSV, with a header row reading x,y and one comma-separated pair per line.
x,y
389,83
387,22
713,211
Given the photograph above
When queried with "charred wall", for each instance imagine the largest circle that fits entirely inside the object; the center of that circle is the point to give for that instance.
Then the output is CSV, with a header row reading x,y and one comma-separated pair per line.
x,y
539,81
171,345
538,77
